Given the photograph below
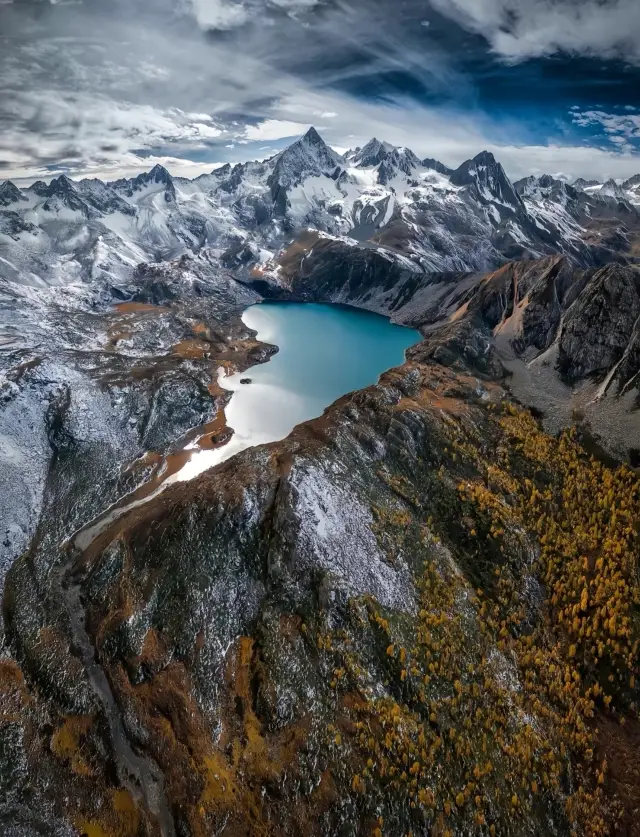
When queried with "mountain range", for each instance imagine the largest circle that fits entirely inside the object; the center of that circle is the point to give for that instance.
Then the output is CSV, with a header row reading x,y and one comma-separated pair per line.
x,y
418,614
470,218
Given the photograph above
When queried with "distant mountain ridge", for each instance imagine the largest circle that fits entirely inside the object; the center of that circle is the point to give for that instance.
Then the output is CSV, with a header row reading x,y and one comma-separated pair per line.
x,y
470,218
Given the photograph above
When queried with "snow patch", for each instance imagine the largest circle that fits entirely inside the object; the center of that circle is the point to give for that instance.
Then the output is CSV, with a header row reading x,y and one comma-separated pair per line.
x,y
336,534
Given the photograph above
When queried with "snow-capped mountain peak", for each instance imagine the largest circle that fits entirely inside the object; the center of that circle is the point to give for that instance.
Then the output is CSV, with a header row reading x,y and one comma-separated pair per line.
x,y
311,148
147,182
583,184
436,165
544,186
628,192
58,186
60,194
308,156
61,185
159,174
103,197
373,153
468,219
632,189
390,160
526,186
488,180
9,193
613,190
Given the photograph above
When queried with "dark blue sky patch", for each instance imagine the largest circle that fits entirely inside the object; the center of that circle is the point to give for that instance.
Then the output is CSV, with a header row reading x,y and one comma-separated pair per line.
x,y
442,65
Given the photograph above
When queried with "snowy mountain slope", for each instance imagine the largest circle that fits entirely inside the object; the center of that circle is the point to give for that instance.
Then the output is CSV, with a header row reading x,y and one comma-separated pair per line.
x,y
611,189
632,189
581,183
592,220
472,218
9,193
629,191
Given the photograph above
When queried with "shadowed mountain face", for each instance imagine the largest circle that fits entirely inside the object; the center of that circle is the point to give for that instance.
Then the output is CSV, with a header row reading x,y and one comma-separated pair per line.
x,y
415,614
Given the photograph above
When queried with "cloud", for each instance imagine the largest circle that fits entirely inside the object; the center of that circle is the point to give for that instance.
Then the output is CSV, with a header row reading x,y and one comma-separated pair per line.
x,y
572,161
447,136
294,5
84,128
272,129
223,15
622,130
625,125
111,86
219,14
520,29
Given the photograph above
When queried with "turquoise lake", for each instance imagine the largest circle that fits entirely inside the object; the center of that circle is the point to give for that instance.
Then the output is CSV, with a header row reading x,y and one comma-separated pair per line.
x,y
325,351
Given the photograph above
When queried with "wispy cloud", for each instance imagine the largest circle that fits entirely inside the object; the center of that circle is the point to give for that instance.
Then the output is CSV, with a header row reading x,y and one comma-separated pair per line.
x,y
223,15
272,129
520,29
101,86
621,129
219,14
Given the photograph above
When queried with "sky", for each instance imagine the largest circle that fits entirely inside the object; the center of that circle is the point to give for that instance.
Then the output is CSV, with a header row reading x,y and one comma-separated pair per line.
x,y
109,88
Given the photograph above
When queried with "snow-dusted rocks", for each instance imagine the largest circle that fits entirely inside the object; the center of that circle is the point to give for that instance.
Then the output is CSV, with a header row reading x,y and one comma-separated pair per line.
x,y
472,218
334,533
627,192
611,189
372,154
9,193
488,181
581,183
157,180
436,165
632,189
308,157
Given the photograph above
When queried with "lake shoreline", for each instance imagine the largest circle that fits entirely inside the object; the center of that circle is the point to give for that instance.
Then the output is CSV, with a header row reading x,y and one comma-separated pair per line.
x,y
325,351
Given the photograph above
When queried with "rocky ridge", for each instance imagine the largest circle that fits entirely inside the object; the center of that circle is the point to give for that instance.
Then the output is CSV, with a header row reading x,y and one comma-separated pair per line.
x,y
471,218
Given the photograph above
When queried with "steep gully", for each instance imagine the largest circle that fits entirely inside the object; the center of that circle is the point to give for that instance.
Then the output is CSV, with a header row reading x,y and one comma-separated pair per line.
x,y
139,775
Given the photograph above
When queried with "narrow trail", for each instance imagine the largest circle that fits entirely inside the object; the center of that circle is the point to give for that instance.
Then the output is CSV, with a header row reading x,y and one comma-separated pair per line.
x,y
140,776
